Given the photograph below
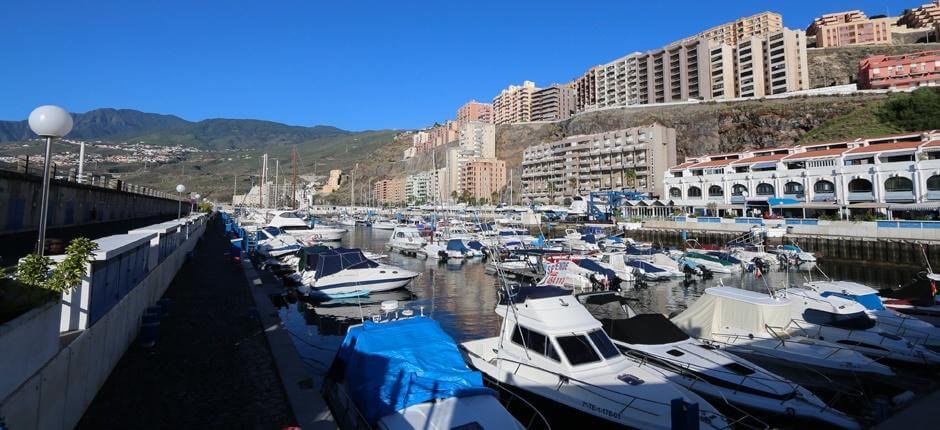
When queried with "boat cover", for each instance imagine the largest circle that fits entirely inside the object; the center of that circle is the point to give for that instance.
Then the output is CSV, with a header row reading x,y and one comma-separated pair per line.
x,y
632,250
648,268
456,245
339,259
310,256
390,366
644,329
723,307
589,238
595,267
521,294
476,245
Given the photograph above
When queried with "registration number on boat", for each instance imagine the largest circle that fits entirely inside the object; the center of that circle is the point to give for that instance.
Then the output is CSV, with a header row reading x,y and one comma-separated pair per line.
x,y
600,410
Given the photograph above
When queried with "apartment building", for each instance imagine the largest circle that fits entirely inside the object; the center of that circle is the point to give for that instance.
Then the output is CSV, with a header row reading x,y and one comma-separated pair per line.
x,y
418,188
629,159
474,111
553,103
482,177
883,172
333,181
514,104
440,134
389,191
409,153
731,33
850,28
927,15
899,71
585,88
773,64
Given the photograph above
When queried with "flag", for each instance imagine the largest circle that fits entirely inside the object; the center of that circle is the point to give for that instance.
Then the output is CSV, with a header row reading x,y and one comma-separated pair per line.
x,y
933,287
757,273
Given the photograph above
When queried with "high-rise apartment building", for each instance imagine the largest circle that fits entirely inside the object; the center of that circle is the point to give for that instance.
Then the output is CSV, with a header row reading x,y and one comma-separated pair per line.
x,y
773,64
553,103
389,191
441,134
899,71
927,15
474,111
483,177
418,188
731,33
514,104
850,28
629,159
585,88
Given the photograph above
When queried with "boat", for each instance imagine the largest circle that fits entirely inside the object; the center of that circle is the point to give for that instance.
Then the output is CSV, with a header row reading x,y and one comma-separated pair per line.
x,y
344,272
710,372
347,221
795,253
406,240
658,268
553,351
274,243
711,262
754,326
918,298
405,372
385,224
918,331
612,244
455,249
293,224
845,322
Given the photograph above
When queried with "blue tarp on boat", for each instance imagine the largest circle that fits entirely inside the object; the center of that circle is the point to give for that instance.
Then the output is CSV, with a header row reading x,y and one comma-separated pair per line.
x,y
648,268
392,365
597,268
476,245
589,238
456,245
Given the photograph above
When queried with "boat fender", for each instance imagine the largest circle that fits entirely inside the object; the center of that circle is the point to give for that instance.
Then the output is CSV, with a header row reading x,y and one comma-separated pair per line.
x,y
903,398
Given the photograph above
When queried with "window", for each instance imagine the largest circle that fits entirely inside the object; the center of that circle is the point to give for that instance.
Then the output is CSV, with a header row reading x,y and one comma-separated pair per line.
x,y
899,184
738,190
675,192
695,192
860,186
933,183
824,187
765,190
534,341
578,349
603,344
715,191
793,188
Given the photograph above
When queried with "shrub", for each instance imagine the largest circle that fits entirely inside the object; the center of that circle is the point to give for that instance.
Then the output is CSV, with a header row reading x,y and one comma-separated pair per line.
x,y
68,274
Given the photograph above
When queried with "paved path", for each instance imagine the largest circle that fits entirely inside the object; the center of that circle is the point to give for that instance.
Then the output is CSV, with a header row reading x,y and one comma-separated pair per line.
x,y
211,368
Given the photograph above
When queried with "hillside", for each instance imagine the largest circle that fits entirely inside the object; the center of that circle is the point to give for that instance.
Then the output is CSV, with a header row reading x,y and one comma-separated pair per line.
x,y
157,129
839,66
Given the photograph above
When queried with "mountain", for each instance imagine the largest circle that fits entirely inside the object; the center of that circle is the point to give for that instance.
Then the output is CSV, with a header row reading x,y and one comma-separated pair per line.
x,y
129,124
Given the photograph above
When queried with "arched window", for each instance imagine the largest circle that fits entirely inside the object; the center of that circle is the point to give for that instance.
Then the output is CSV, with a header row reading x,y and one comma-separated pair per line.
x,y
824,187
793,188
695,192
738,190
715,191
765,190
860,186
675,192
933,183
899,184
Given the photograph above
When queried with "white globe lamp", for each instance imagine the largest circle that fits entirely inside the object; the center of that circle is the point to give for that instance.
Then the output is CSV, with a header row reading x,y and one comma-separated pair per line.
x,y
180,189
49,122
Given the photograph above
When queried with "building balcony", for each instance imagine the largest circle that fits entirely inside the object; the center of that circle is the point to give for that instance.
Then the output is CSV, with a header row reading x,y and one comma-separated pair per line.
x,y
861,197
738,199
899,196
824,197
933,195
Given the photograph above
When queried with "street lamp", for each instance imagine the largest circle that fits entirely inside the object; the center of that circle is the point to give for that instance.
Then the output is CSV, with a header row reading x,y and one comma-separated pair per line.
x,y
195,199
48,122
180,189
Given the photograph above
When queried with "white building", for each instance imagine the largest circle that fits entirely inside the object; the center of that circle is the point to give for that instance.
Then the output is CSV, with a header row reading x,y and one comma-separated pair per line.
x,y
417,187
900,172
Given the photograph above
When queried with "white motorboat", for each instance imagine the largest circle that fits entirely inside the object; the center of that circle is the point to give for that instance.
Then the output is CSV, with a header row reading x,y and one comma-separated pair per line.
x,y
754,325
294,225
552,349
439,391
794,252
272,242
406,239
385,224
845,322
908,327
612,244
658,268
571,275
717,375
343,272
712,263
347,221
454,249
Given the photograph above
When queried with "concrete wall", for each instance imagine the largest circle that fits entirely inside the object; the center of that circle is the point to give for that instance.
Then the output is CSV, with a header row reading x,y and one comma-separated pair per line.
x,y
57,394
73,204
868,230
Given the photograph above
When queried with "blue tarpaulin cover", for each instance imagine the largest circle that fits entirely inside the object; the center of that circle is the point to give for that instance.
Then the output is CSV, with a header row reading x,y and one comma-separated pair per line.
x,y
475,244
595,267
392,365
649,268
456,245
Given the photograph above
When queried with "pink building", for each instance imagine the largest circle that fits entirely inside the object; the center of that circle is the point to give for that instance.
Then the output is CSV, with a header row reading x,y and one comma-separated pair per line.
x,y
899,71
474,111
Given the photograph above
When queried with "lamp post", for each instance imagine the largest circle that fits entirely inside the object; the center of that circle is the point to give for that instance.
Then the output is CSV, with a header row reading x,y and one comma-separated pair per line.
x,y
48,122
180,189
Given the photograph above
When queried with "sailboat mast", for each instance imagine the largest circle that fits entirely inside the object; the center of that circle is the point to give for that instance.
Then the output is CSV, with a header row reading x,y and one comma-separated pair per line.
x,y
293,181
277,172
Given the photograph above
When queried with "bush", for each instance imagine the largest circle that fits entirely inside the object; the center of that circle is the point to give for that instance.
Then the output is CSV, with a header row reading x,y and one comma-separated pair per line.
x,y
915,111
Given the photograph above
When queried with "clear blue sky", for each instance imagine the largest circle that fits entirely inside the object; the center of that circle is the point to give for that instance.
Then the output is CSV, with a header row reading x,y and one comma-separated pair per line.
x,y
353,64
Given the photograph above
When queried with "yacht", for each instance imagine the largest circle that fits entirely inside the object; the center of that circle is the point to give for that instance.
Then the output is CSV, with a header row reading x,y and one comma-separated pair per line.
x,y
552,350
456,249
274,243
438,390
385,224
658,268
712,263
343,272
845,322
293,224
794,252
755,326
405,239
708,371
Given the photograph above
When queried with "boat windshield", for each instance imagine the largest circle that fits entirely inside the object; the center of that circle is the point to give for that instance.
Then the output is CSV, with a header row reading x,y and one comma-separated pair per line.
x,y
852,321
273,231
870,301
603,344
578,349
289,215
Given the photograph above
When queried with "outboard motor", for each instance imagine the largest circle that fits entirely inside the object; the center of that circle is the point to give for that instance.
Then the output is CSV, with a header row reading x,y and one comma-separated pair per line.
x,y
706,274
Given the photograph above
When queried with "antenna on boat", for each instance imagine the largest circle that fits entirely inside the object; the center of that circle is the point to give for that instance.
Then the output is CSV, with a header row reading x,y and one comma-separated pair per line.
x,y
923,251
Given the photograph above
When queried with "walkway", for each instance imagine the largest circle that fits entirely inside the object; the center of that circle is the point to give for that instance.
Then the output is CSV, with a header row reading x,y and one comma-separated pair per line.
x,y
211,368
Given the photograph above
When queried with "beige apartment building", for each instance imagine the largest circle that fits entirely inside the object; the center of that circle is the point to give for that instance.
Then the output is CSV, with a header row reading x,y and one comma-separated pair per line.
x,y
553,103
731,33
514,104
927,15
389,191
483,177
628,159
585,88
474,111
440,134
850,28
773,64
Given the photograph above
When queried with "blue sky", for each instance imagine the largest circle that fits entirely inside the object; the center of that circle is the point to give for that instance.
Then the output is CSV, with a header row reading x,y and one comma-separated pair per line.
x,y
353,64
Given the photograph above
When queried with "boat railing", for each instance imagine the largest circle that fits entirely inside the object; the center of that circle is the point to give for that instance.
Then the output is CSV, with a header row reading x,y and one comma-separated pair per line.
x,y
596,390
344,410
819,328
536,419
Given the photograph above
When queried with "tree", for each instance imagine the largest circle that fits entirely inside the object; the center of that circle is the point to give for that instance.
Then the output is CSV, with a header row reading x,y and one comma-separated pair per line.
x,y
631,177
918,110
454,195
494,197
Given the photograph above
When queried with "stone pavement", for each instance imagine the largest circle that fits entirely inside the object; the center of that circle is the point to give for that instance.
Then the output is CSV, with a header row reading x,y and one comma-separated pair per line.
x,y
212,366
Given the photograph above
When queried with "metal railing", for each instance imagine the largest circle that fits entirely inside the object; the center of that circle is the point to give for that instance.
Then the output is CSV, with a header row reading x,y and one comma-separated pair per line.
x,y
33,166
